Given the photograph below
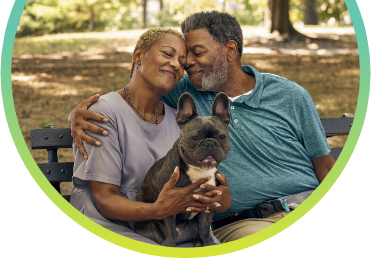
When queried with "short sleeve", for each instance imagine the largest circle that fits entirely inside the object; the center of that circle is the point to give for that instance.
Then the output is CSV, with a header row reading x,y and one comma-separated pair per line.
x,y
104,163
313,135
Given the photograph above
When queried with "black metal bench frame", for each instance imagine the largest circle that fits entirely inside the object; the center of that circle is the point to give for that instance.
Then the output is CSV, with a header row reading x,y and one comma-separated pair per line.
x,y
56,172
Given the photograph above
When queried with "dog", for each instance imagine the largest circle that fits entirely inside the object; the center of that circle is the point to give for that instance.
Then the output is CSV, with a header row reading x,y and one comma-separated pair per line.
x,y
202,145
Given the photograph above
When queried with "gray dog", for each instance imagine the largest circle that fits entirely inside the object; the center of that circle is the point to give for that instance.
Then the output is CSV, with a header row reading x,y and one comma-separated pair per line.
x,y
203,144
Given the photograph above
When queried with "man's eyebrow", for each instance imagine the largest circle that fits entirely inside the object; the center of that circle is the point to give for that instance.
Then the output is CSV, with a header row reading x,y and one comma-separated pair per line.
x,y
196,46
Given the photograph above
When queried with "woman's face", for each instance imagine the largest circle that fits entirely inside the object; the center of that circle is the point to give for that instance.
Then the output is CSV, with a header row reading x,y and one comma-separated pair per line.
x,y
163,64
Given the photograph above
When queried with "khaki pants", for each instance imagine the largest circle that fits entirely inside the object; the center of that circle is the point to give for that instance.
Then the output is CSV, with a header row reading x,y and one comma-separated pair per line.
x,y
246,227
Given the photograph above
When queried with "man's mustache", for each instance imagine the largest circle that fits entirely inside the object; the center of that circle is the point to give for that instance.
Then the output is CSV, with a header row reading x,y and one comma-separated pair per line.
x,y
194,70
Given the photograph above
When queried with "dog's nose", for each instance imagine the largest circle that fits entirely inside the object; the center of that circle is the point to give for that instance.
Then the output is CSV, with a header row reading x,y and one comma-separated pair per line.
x,y
209,144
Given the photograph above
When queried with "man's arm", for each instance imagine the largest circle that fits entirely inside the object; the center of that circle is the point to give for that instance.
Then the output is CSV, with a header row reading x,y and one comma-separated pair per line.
x,y
78,122
322,166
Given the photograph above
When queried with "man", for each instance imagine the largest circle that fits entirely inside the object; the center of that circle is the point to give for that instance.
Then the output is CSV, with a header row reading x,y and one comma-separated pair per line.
x,y
278,143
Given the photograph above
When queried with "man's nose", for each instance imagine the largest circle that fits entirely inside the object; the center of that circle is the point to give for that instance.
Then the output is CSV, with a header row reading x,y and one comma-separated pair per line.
x,y
190,61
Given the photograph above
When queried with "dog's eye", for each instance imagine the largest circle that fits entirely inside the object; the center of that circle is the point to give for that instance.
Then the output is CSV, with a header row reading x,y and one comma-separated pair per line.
x,y
222,137
194,137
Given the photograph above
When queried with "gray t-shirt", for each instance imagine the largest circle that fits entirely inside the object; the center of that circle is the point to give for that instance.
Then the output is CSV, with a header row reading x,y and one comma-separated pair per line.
x,y
126,154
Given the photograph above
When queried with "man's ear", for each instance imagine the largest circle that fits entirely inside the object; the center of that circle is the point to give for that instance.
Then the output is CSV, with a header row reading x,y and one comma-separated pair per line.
x,y
232,50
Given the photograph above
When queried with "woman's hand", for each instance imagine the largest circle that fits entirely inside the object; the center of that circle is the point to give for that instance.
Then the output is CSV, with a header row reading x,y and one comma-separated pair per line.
x,y
78,122
173,200
215,194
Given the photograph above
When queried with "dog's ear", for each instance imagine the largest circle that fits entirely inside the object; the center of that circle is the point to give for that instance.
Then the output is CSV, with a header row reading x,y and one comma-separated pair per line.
x,y
186,109
221,107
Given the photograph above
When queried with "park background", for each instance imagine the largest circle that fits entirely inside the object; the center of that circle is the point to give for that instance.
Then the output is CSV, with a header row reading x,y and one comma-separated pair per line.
x,y
68,50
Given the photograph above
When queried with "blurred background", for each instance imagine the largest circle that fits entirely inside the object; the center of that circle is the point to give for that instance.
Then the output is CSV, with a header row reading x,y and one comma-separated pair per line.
x,y
68,50
60,16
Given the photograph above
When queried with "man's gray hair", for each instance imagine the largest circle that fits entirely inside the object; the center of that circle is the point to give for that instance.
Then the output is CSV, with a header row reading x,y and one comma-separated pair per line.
x,y
223,27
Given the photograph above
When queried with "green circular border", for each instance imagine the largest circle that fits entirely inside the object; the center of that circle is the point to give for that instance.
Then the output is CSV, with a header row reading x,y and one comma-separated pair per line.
x,y
6,61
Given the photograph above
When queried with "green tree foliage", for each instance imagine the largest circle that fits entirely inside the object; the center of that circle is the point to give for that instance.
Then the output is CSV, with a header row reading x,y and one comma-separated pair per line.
x,y
326,9
180,9
251,12
57,16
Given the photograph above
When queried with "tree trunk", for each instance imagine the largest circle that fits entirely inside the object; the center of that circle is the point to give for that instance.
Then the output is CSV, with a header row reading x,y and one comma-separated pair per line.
x,y
144,5
91,20
310,11
277,19
161,12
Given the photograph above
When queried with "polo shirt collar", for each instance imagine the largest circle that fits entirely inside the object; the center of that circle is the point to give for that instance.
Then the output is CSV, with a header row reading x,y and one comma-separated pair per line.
x,y
252,99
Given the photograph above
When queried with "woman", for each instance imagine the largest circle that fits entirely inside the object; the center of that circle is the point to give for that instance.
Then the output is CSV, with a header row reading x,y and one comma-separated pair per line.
x,y
141,130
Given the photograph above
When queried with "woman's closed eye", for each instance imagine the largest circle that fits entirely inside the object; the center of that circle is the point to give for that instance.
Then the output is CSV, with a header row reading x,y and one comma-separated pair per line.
x,y
167,54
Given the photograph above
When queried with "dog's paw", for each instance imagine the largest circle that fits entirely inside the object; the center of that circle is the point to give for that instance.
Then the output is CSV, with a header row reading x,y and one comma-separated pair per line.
x,y
208,242
169,242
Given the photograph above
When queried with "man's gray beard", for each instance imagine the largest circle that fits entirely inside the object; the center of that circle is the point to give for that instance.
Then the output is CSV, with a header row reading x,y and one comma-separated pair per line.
x,y
217,77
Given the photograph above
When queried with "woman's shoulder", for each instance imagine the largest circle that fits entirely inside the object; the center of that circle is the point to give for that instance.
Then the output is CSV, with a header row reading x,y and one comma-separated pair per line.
x,y
107,103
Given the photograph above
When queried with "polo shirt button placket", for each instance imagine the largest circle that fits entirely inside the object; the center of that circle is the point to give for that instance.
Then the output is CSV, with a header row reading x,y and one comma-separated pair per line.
x,y
234,122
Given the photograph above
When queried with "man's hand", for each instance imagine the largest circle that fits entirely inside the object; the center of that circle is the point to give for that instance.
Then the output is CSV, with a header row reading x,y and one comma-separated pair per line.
x,y
219,195
78,122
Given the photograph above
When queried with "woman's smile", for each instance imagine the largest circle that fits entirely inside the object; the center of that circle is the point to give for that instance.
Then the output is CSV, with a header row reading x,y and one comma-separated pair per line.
x,y
170,73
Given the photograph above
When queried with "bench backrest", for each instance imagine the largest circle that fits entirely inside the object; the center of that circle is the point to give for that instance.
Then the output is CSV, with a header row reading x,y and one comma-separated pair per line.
x,y
51,139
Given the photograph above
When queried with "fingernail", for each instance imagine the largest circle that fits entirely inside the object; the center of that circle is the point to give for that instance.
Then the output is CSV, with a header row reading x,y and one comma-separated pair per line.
x,y
217,204
202,186
195,196
219,193
97,143
175,170
86,157
188,209
207,211
105,133
105,120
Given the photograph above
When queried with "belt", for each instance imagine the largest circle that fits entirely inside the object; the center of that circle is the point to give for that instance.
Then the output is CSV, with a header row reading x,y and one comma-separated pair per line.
x,y
259,211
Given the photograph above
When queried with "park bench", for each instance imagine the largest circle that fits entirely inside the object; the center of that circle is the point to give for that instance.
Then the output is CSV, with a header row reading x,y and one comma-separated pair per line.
x,y
56,172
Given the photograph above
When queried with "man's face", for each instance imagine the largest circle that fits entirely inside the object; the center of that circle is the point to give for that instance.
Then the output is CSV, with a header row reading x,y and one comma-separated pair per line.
x,y
207,67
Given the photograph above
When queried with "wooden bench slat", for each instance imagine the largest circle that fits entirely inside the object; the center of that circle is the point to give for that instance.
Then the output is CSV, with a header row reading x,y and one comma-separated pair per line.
x,y
335,152
337,126
51,138
54,171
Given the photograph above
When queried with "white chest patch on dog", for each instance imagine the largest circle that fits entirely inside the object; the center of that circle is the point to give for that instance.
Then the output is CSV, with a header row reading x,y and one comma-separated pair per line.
x,y
196,173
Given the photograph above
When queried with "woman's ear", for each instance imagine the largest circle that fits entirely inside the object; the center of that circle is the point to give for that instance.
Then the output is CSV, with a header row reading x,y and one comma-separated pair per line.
x,y
232,50
138,55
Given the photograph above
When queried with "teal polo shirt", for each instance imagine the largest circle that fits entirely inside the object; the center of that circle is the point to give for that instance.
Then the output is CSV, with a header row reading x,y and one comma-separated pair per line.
x,y
275,132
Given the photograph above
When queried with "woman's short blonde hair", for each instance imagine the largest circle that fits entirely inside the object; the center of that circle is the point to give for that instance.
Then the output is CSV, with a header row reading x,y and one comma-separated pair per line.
x,y
150,37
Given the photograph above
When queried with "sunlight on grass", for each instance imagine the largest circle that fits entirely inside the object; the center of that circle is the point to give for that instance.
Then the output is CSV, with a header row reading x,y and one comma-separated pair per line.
x,y
53,88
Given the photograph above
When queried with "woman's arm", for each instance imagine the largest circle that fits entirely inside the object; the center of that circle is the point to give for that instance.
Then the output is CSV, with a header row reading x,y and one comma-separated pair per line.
x,y
172,200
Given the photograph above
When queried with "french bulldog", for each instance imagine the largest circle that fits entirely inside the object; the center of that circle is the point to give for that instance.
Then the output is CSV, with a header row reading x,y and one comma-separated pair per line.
x,y
202,145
